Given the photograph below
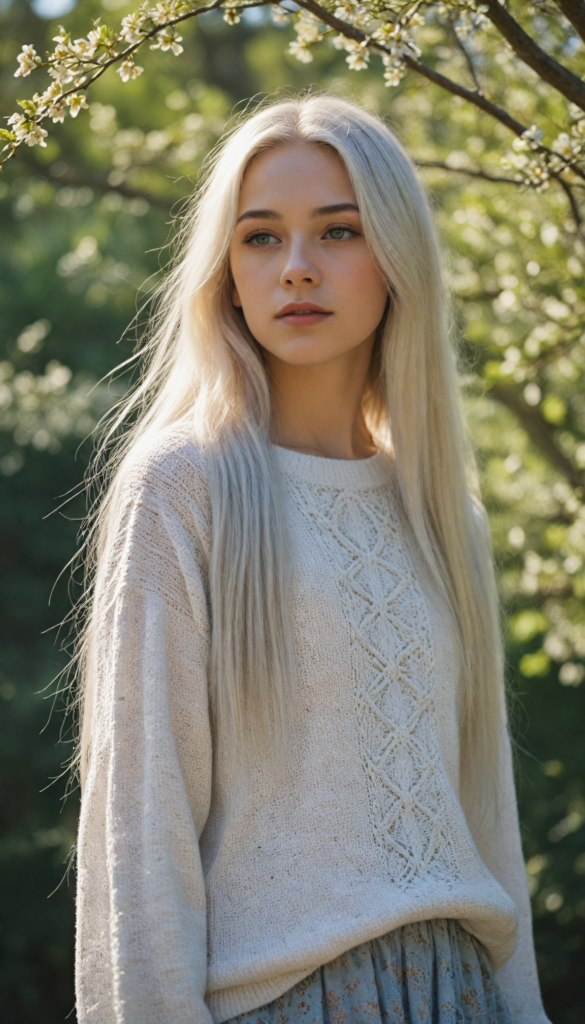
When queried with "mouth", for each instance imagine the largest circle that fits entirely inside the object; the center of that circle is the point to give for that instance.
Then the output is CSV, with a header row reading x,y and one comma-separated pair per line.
x,y
303,314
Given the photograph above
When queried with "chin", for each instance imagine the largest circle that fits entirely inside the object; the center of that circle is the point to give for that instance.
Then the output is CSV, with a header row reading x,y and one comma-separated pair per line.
x,y
306,351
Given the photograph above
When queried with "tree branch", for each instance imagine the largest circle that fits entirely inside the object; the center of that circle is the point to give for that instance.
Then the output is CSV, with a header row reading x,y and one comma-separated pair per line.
x,y
573,202
468,59
476,98
561,79
82,85
485,175
117,57
539,432
79,177
72,176
574,11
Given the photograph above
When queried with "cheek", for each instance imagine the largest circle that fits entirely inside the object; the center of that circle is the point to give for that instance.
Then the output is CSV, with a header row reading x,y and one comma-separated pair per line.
x,y
252,279
360,282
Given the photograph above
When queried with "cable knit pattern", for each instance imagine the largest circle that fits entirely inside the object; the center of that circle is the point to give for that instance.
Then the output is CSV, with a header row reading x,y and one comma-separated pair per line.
x,y
394,678
199,900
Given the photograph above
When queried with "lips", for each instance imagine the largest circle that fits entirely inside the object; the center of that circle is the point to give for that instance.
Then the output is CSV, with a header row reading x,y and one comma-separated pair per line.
x,y
305,314
301,307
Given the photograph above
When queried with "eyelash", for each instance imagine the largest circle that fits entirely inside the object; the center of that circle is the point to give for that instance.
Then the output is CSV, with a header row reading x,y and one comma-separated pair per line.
x,y
334,227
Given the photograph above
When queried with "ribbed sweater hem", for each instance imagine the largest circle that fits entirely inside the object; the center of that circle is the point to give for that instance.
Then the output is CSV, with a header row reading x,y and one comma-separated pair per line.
x,y
231,1001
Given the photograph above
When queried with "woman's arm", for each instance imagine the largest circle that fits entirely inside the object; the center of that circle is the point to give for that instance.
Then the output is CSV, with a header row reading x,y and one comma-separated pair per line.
x,y
501,850
141,930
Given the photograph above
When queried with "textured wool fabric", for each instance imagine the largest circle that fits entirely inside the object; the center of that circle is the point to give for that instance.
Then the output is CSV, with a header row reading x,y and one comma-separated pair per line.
x,y
200,899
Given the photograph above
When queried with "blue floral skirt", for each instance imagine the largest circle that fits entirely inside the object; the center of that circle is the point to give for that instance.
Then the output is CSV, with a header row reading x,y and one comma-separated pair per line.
x,y
432,972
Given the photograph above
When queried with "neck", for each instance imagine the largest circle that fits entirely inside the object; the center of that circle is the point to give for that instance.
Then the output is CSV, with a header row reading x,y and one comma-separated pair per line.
x,y
317,409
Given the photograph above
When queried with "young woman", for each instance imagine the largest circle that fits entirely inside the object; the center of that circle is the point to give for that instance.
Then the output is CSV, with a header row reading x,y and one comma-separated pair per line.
x,y
298,801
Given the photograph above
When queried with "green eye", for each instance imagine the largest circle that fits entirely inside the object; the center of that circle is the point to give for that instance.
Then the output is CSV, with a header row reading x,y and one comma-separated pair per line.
x,y
337,233
261,239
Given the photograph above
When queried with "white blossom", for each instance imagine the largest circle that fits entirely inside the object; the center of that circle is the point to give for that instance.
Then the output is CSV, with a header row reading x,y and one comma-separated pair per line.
x,y
63,38
128,70
165,10
19,124
470,22
51,94
57,112
537,174
301,51
168,40
132,28
394,74
279,15
95,37
566,147
75,103
358,56
530,139
356,14
517,161
27,131
397,40
307,28
231,16
61,51
358,60
28,59
61,74
339,42
36,136
83,48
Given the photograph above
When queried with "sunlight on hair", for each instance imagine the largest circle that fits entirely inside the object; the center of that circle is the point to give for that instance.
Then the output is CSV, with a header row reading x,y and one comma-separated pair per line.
x,y
201,367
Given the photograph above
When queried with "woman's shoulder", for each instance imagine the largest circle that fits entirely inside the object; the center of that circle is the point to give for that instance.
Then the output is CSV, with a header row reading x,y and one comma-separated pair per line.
x,y
165,466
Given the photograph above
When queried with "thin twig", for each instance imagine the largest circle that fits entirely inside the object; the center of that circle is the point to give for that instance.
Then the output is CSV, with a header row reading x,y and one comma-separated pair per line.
x,y
485,175
83,178
468,60
574,12
573,202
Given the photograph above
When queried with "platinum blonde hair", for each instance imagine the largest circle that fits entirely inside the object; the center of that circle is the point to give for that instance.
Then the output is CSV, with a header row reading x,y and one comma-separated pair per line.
x,y
202,366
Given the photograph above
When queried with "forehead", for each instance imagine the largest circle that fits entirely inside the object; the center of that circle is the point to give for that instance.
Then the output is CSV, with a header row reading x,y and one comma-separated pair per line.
x,y
299,172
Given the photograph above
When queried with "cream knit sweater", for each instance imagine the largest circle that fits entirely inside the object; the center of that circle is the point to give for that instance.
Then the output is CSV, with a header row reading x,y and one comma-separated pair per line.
x,y
196,901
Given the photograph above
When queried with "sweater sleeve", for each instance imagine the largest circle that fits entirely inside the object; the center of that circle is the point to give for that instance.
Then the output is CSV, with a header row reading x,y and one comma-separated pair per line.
x,y
141,947
501,850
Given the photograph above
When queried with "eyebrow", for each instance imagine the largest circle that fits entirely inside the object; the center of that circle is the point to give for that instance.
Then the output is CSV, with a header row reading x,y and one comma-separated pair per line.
x,y
319,211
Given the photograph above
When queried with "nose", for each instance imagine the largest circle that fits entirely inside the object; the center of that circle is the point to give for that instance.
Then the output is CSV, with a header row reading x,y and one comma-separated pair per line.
x,y
299,265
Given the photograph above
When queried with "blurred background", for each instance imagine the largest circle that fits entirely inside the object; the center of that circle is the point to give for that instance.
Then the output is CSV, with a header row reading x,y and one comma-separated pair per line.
x,y
85,228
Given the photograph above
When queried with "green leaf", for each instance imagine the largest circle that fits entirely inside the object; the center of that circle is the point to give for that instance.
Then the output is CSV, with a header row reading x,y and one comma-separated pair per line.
x,y
554,409
555,536
527,624
537,664
493,371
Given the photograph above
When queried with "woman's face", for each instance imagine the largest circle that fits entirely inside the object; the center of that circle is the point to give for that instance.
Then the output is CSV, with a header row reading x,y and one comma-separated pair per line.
x,y
298,246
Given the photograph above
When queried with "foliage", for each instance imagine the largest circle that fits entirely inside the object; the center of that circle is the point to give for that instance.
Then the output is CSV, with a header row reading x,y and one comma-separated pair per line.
x,y
85,224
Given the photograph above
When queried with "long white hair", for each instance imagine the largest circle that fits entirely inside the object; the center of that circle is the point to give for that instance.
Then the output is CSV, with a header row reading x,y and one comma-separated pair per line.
x,y
201,366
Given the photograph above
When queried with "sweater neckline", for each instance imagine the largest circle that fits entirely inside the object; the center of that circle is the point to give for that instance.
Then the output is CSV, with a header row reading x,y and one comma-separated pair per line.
x,y
354,473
